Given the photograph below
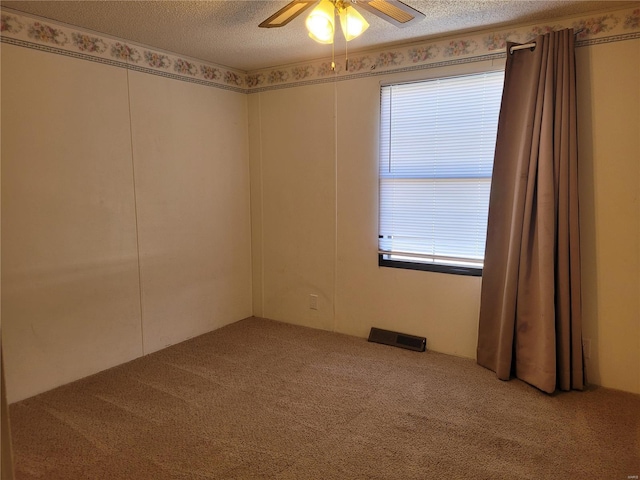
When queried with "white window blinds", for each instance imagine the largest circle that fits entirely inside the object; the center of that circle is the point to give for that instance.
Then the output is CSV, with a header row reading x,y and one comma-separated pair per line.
x,y
437,141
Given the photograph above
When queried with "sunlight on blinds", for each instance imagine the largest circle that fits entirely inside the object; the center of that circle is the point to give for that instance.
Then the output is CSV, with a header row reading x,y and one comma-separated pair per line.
x,y
437,141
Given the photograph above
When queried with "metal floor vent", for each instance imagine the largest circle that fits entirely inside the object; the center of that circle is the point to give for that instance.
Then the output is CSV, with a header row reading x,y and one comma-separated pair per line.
x,y
395,339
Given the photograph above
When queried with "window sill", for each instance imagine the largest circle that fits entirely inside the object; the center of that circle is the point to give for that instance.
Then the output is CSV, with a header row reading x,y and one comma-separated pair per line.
x,y
430,267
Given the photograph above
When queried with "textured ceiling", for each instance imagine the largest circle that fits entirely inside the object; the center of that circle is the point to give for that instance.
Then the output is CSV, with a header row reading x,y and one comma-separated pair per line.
x,y
226,32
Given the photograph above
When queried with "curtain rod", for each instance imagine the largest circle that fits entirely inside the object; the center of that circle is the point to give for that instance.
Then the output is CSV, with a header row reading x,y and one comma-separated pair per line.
x,y
522,47
533,44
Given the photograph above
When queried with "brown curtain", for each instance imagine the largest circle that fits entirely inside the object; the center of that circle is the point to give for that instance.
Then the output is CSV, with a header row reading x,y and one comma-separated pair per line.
x,y
530,313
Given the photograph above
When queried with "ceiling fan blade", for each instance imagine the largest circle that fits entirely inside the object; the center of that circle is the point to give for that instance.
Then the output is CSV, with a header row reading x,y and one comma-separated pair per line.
x,y
393,11
287,13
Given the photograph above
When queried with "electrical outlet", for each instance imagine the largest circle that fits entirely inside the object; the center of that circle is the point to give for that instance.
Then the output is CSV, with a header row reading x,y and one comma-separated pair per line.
x,y
586,348
313,302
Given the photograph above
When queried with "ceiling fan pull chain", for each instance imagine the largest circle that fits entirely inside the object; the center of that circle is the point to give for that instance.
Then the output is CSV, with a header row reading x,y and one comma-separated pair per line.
x,y
346,53
333,55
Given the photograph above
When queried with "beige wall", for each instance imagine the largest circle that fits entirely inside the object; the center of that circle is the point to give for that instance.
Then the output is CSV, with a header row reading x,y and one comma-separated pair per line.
x,y
293,210
126,216
296,217
69,270
313,148
609,152
190,151
73,221
6,460
6,451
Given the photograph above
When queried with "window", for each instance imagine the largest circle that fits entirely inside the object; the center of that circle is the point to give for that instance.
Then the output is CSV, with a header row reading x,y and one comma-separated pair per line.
x,y
437,141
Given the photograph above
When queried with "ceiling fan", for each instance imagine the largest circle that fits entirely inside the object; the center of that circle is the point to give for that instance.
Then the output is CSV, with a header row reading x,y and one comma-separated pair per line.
x,y
320,22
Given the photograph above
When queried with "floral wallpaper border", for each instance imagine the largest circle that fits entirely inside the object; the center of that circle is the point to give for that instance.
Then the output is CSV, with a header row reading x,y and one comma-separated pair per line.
x,y
31,32
601,28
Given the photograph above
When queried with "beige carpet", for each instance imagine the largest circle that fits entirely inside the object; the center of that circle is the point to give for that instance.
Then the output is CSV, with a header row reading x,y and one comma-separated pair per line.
x,y
262,399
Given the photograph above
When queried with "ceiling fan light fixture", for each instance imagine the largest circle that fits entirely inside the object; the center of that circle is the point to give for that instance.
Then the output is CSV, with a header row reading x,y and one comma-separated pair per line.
x,y
321,22
352,23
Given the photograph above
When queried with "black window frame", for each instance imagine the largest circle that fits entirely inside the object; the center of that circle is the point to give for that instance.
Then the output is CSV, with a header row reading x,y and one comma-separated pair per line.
x,y
429,265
